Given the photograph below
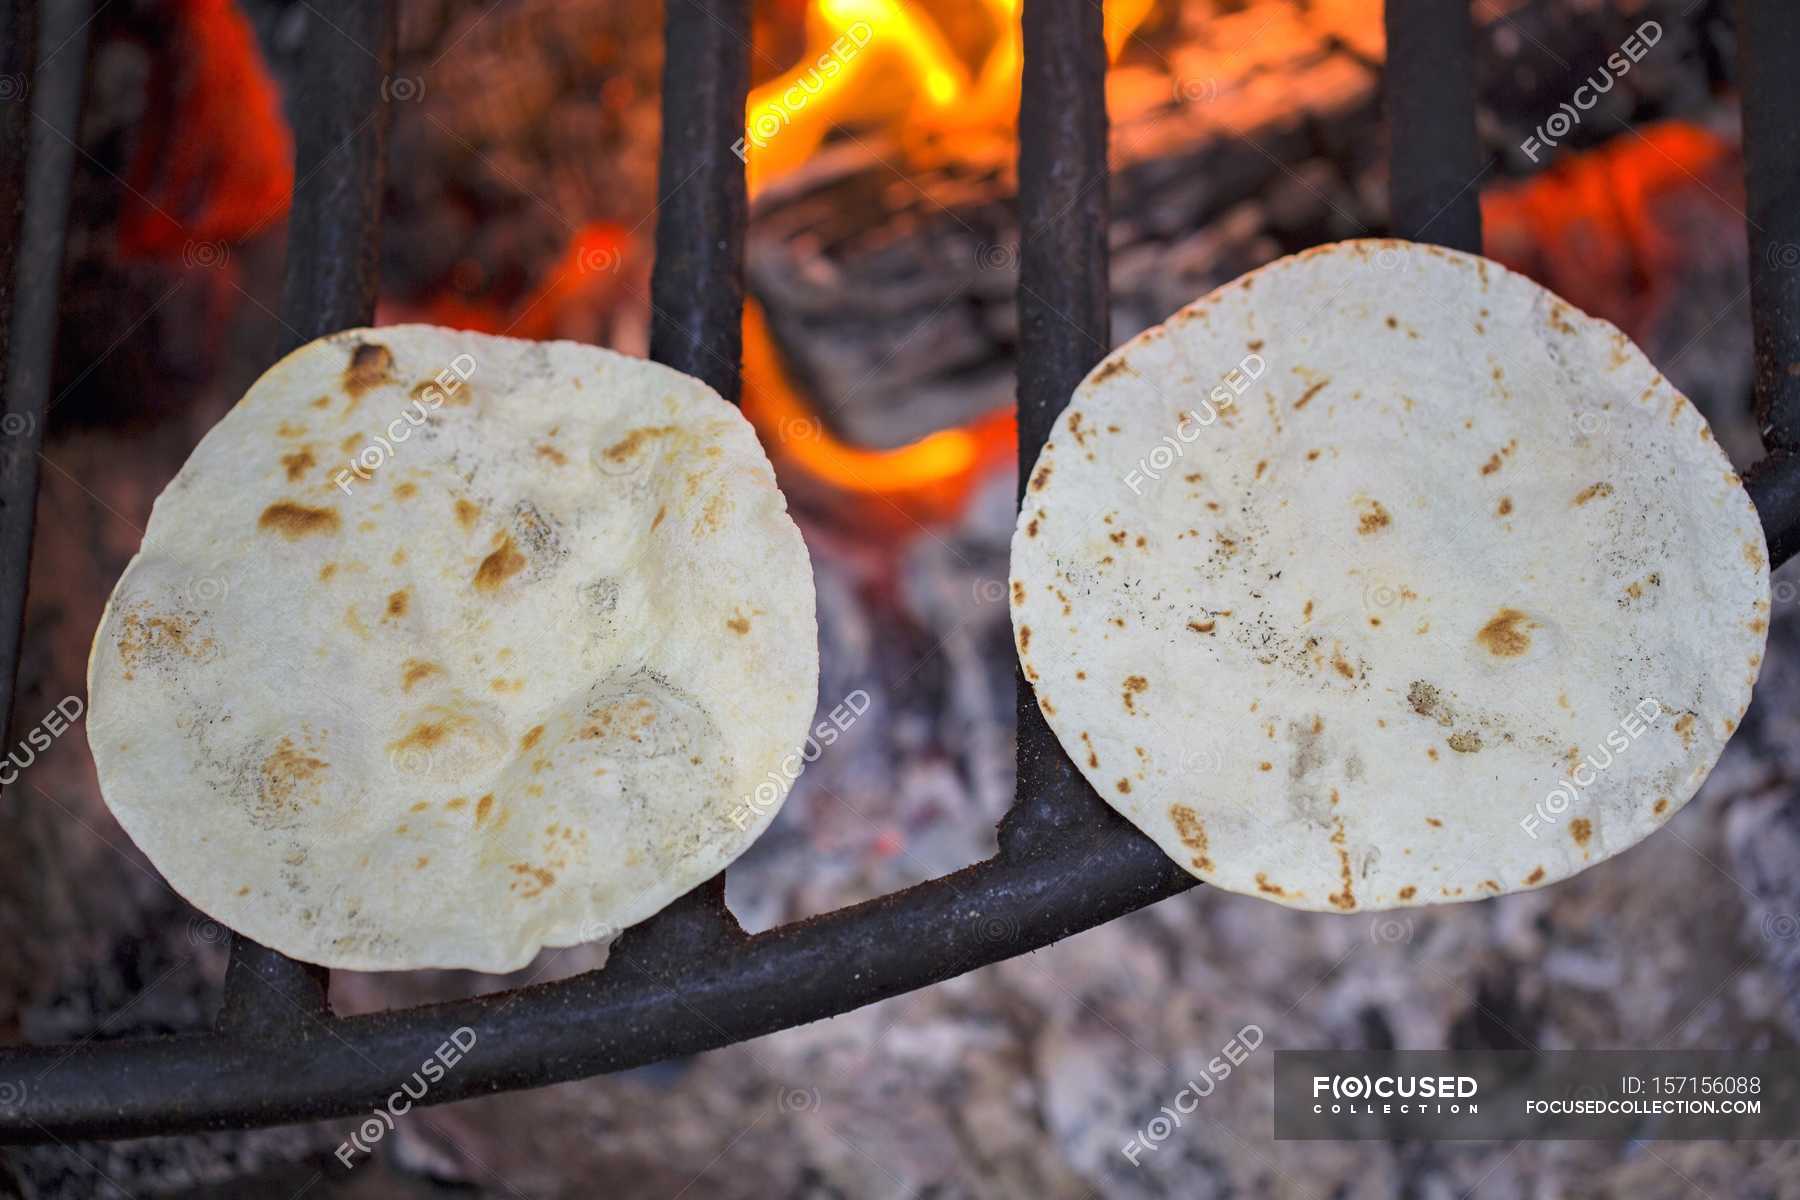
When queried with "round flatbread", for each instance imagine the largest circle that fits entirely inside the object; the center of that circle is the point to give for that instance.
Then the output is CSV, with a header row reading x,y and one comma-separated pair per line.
x,y
443,648
1381,576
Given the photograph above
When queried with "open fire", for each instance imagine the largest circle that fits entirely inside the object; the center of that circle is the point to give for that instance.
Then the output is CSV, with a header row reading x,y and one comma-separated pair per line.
x,y
929,77
909,86
931,73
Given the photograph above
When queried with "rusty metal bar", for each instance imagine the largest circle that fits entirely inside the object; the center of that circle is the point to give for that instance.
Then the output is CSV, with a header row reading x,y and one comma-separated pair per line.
x,y
1435,156
333,274
1774,486
697,313
697,289
37,162
1769,65
265,989
18,57
341,117
1064,325
623,1016
1064,329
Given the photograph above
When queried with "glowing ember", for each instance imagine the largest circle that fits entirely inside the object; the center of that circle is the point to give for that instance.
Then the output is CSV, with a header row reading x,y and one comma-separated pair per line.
x,y
584,284
586,277
215,161
1602,227
929,479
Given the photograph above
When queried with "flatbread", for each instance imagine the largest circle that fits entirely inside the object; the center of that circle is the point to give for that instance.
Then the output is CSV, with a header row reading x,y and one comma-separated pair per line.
x,y
1381,576
443,648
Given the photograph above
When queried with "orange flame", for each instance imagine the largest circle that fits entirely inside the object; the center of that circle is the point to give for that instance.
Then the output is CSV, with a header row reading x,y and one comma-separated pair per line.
x,y
215,161
926,480
892,66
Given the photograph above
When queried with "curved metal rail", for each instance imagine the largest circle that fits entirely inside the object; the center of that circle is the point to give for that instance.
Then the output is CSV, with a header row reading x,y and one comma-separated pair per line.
x,y
690,979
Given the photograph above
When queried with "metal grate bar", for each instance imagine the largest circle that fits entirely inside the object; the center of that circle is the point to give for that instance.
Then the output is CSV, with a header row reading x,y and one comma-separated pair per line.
x,y
1768,36
689,981
697,305
1430,83
341,121
333,272
608,1020
1769,66
33,214
265,988
18,55
697,291
1064,329
1774,486
1769,53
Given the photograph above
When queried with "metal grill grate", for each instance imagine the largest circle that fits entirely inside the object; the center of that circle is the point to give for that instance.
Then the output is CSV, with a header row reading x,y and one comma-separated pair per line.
x,y
690,979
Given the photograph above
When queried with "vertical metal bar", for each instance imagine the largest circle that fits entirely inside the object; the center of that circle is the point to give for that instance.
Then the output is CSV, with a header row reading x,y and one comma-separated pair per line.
x,y
341,119
265,989
1774,486
1430,81
38,124
1769,53
1064,325
18,54
697,313
18,446
26,384
697,289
